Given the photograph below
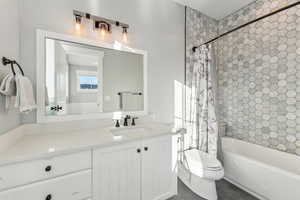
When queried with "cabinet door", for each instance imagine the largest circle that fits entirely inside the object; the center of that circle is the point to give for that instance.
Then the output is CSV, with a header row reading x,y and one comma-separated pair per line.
x,y
158,169
117,173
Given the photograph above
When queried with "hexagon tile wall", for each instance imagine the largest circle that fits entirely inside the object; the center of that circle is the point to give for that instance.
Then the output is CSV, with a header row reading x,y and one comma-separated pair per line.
x,y
259,76
200,28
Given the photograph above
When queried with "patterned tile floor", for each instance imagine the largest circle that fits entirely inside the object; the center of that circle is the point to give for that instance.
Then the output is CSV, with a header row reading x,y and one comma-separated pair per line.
x,y
226,191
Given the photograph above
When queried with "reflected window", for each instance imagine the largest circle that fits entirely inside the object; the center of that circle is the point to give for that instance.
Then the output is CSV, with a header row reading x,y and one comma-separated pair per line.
x,y
87,81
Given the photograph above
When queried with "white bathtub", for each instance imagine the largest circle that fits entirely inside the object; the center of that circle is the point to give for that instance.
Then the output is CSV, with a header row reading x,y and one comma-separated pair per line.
x,y
266,173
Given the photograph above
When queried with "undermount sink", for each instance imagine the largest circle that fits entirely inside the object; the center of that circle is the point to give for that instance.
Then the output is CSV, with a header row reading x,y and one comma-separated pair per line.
x,y
128,131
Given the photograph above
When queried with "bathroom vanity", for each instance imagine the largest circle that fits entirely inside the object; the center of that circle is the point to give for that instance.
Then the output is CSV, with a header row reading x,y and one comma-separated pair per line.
x,y
131,166
76,151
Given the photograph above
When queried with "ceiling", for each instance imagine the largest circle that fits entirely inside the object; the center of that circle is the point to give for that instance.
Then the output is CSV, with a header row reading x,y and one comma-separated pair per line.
x,y
217,9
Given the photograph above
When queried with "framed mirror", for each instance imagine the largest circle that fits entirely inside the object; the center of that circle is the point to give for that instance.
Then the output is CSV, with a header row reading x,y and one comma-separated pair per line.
x,y
79,78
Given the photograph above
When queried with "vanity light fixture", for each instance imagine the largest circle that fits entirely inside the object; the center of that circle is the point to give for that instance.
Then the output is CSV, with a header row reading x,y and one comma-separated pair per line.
x,y
103,27
101,24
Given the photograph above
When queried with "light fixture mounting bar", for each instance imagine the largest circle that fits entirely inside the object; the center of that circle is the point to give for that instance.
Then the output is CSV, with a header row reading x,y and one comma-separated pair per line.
x,y
101,19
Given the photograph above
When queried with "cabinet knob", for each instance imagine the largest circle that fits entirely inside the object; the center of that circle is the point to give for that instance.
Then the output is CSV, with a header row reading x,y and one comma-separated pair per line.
x,y
138,150
48,168
48,197
146,148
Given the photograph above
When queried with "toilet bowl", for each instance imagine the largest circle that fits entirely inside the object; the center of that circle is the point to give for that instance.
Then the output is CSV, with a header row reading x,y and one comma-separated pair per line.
x,y
199,171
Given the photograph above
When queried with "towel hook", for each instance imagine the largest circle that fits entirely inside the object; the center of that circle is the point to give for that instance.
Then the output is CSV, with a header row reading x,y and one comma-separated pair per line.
x,y
6,61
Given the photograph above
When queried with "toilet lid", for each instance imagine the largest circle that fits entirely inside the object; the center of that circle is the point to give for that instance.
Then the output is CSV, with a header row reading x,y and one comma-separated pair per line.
x,y
202,160
203,165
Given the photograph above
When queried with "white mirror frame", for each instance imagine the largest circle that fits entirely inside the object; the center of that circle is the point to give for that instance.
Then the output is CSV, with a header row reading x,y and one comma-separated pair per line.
x,y
41,67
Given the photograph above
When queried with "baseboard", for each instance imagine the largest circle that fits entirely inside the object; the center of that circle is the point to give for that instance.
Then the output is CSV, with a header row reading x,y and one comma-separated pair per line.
x,y
245,189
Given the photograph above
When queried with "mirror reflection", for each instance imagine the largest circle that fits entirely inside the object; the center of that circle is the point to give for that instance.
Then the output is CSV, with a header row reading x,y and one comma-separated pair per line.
x,y
83,79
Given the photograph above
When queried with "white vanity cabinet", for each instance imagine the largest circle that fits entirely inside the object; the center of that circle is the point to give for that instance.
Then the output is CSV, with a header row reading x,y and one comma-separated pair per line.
x,y
117,173
32,171
76,186
140,169
63,177
157,169
136,171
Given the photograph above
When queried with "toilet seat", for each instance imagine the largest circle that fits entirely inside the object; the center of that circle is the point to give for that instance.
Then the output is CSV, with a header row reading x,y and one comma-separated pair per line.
x,y
204,165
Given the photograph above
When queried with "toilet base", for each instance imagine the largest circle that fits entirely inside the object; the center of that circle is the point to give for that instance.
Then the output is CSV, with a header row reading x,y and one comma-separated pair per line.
x,y
202,187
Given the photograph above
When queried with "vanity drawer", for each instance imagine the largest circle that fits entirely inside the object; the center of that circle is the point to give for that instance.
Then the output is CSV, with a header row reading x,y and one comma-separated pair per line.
x,y
28,172
76,186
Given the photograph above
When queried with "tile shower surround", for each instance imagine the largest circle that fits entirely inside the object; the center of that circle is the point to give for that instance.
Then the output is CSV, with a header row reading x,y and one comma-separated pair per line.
x,y
258,72
199,28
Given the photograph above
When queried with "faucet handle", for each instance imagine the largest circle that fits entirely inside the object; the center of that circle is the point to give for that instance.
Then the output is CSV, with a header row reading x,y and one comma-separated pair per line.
x,y
133,121
117,123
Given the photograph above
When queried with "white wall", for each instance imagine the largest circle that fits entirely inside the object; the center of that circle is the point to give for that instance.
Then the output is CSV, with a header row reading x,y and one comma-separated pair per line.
x,y
155,25
9,46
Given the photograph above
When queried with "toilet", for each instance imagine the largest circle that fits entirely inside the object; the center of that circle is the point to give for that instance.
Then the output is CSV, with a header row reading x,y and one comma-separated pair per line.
x,y
199,171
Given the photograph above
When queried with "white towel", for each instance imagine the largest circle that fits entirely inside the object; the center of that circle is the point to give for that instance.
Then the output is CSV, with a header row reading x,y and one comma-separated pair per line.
x,y
8,88
3,74
8,85
25,99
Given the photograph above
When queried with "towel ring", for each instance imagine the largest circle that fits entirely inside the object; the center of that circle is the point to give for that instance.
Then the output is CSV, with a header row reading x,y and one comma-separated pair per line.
x,y
6,61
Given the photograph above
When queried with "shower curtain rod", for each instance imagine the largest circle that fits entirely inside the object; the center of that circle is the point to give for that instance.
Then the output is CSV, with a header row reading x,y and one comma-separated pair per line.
x,y
248,23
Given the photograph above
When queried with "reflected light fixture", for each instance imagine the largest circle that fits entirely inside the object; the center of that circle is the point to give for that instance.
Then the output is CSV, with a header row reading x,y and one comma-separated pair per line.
x,y
78,19
125,34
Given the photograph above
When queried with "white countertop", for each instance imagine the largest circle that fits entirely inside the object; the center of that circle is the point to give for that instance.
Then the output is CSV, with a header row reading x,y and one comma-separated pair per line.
x,y
34,145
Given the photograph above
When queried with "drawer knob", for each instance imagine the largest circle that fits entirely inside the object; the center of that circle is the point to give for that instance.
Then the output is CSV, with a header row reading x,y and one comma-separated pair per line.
x,y
146,148
138,150
49,197
48,168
